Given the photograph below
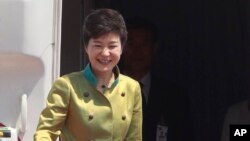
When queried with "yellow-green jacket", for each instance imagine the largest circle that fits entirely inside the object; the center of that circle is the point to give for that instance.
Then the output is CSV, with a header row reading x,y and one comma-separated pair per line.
x,y
76,111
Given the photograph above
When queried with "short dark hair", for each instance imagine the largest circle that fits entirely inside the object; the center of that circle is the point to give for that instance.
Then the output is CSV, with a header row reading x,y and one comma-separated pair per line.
x,y
102,21
143,23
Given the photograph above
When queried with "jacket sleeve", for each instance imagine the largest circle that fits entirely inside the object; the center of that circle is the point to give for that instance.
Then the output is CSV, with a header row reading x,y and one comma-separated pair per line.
x,y
53,116
135,129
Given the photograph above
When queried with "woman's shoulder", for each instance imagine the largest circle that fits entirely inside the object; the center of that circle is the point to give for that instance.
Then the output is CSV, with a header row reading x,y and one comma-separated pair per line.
x,y
71,76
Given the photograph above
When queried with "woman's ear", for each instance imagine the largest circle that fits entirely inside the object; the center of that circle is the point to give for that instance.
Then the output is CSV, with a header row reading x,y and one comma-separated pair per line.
x,y
121,51
85,49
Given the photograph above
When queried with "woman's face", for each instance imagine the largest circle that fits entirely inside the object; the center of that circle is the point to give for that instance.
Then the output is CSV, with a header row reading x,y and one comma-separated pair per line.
x,y
104,52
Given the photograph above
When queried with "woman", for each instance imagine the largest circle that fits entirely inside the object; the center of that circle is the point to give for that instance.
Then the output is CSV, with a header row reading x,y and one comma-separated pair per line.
x,y
97,103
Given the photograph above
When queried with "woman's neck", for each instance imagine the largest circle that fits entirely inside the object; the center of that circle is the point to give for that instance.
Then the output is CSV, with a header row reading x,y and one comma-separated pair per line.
x,y
104,80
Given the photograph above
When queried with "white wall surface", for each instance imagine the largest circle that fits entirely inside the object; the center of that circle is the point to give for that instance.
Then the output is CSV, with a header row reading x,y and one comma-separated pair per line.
x,y
29,58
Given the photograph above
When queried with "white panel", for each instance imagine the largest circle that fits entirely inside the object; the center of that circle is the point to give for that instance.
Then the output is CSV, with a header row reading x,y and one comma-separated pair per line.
x,y
26,26
11,25
30,36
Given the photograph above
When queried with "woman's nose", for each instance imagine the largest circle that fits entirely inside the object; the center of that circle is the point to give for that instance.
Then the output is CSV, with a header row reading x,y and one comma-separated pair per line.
x,y
105,52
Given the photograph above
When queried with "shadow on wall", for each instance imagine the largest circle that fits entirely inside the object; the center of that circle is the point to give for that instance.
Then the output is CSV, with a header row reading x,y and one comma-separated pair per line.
x,y
19,75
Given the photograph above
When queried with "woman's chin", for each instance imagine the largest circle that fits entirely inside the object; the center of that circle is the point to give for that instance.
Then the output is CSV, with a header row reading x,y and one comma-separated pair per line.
x,y
105,70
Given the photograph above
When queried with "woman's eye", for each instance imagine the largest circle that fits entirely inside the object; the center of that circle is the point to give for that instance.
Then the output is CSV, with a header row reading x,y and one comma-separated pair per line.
x,y
113,46
97,46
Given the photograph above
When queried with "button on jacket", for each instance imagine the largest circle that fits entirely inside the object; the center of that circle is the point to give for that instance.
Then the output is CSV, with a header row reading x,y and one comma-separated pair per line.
x,y
76,111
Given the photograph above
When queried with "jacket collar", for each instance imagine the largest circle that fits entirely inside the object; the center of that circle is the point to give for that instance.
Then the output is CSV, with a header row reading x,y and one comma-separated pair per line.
x,y
90,76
